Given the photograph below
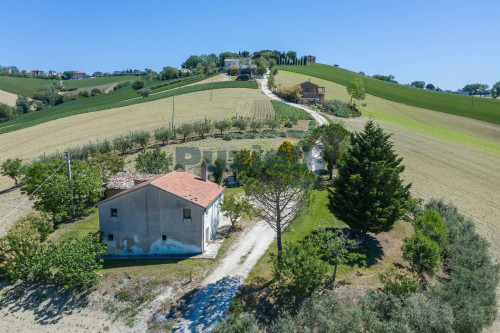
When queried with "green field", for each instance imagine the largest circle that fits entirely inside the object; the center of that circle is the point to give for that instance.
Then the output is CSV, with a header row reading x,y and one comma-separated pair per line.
x,y
23,86
486,109
98,81
122,97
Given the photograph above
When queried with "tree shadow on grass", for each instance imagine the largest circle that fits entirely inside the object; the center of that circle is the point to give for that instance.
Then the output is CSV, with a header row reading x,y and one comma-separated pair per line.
x,y
48,303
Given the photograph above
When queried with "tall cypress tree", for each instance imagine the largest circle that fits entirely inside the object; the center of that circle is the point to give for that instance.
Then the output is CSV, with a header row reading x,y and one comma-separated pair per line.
x,y
368,193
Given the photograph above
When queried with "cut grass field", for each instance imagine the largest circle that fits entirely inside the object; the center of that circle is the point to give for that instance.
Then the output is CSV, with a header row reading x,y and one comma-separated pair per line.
x,y
486,109
31,142
8,98
445,155
122,97
99,81
23,86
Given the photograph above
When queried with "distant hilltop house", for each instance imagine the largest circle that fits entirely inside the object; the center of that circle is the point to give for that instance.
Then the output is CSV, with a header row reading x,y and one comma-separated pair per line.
x,y
117,72
184,70
176,213
310,58
79,75
97,74
37,72
231,62
125,180
311,93
52,72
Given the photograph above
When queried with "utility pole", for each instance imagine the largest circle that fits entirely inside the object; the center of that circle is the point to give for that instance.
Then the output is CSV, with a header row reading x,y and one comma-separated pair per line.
x,y
173,110
211,89
68,164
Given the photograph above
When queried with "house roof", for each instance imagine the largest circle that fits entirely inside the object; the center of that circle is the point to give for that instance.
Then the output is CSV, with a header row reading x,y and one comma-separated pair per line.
x,y
126,180
308,83
182,184
232,59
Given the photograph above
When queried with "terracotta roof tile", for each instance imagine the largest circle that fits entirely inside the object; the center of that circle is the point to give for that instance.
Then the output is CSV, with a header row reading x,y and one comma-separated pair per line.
x,y
184,185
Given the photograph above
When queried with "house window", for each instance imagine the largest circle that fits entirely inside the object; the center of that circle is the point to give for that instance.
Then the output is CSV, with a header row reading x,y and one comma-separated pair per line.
x,y
110,237
114,212
187,214
164,238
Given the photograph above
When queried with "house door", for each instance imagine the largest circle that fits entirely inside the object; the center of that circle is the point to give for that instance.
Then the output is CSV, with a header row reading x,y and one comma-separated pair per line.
x,y
207,234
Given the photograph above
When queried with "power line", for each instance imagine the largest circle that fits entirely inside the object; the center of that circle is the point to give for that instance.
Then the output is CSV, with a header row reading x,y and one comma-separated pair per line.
x,y
29,196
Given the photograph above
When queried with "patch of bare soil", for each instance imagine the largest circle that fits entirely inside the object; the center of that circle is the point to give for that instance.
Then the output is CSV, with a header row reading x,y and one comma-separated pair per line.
x,y
8,98
10,198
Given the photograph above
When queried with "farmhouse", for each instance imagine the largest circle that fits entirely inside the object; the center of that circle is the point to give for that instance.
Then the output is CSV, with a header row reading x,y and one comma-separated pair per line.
x,y
231,61
310,58
174,213
79,75
311,93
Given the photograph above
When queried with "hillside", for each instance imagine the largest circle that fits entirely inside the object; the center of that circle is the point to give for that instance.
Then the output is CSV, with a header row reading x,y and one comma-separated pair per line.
x,y
22,86
486,109
98,81
122,97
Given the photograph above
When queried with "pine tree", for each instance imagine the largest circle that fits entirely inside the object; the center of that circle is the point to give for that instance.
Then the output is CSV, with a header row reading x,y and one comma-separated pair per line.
x,y
368,193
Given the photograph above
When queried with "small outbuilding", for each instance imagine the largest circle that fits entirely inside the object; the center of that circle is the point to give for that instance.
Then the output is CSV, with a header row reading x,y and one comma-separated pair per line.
x,y
311,93
177,213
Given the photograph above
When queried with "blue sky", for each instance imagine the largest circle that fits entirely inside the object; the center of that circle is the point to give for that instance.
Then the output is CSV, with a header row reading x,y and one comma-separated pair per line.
x,y
448,43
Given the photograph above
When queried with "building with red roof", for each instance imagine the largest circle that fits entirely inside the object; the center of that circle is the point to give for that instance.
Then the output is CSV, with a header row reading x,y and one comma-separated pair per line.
x,y
174,213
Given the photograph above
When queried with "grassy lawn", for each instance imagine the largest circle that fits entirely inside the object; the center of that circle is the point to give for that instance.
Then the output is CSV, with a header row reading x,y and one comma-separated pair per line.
x,y
382,252
23,86
484,108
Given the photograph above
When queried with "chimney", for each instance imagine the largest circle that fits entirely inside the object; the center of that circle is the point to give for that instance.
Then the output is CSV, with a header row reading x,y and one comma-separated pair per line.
x,y
204,170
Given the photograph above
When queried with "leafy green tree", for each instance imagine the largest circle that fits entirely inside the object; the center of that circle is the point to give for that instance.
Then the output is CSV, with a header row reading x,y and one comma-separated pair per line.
x,y
274,71
418,84
233,70
192,62
430,86
164,134
248,162
76,261
140,138
261,70
336,247
368,193
122,144
292,55
138,84
423,254
6,112
222,125
271,82
154,162
169,73
233,208
278,192
96,92
335,140
299,266
430,224
185,130
495,90
12,169
255,124
288,150
144,92
54,197
356,89
240,123
22,104
273,123
67,75
202,128
107,164
218,169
